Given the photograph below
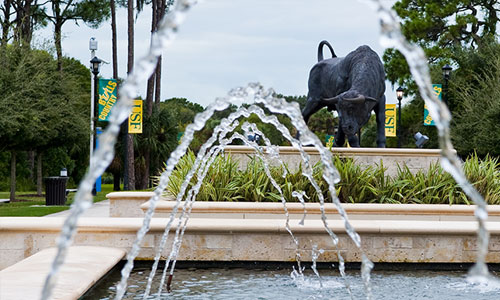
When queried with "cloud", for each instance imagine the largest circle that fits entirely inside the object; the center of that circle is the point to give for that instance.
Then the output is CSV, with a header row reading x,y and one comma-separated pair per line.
x,y
224,44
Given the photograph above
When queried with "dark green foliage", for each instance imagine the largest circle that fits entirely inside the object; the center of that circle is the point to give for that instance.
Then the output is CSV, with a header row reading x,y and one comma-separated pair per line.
x,y
224,182
412,116
476,103
182,110
158,140
44,111
441,28
322,123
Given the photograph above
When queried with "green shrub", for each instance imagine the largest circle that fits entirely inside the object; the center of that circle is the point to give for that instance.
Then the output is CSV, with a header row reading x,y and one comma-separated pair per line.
x,y
226,182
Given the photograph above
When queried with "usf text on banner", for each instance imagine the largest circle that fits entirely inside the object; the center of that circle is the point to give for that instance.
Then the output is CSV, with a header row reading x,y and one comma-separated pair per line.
x,y
135,118
390,120
437,89
107,97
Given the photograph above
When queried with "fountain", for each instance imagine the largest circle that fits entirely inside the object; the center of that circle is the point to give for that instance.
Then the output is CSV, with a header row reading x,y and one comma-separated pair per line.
x,y
391,36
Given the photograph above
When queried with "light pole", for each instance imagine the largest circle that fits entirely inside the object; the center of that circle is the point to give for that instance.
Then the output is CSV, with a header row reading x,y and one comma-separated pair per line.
x,y
92,48
399,94
446,75
95,64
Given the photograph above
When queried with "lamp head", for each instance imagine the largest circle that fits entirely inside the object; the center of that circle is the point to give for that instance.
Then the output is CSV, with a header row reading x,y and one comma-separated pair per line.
x,y
399,93
95,64
446,71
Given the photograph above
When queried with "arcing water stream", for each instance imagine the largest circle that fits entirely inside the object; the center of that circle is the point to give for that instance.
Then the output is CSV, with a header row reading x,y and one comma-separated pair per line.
x,y
391,36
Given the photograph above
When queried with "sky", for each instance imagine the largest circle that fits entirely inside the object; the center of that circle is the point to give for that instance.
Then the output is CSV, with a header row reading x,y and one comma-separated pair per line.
x,y
225,44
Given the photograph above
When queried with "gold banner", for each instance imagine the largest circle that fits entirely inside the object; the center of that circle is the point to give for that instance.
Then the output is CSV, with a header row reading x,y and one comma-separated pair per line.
x,y
390,120
135,118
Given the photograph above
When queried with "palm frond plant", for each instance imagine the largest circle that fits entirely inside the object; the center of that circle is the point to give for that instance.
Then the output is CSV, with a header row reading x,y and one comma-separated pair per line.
x,y
226,182
485,176
354,181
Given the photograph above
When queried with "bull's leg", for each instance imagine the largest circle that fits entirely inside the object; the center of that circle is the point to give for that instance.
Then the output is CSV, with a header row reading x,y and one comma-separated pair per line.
x,y
312,106
380,115
339,138
353,141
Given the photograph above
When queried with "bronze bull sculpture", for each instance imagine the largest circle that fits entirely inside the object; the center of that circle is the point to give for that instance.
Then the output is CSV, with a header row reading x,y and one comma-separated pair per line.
x,y
354,86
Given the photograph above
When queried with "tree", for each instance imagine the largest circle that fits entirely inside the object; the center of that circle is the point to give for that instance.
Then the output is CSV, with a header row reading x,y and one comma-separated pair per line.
x,y
42,112
440,27
476,95
154,145
92,12
114,41
129,169
20,19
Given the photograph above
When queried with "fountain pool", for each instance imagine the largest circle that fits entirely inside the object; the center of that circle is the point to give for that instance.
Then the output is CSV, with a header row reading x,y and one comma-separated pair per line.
x,y
238,283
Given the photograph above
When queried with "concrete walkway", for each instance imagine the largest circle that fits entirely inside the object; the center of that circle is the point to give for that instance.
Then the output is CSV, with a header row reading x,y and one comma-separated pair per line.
x,y
83,267
97,210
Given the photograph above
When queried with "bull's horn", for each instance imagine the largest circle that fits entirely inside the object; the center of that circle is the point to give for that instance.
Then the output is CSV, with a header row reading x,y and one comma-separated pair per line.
x,y
371,99
359,99
333,100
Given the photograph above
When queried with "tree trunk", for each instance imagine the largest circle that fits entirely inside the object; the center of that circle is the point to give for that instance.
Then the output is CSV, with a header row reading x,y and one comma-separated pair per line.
x,y
149,94
130,21
158,82
26,24
161,13
129,146
113,39
151,80
12,196
116,181
39,173
114,46
130,162
31,165
58,23
6,22
142,172
57,41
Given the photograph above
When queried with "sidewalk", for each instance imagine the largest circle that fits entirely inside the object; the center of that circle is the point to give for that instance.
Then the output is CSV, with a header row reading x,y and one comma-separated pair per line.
x,y
97,210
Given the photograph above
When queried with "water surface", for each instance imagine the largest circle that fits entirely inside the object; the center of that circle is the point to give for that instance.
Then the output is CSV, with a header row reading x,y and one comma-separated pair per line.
x,y
278,284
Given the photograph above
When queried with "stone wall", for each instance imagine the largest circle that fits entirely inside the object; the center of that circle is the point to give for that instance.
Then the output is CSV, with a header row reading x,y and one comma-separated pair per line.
x,y
414,159
260,239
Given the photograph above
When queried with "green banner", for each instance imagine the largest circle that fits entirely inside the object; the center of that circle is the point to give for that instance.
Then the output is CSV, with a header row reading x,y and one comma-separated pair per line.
x,y
438,91
107,97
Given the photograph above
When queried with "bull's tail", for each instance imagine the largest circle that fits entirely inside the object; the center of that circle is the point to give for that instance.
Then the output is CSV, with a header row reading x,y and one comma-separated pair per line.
x,y
320,50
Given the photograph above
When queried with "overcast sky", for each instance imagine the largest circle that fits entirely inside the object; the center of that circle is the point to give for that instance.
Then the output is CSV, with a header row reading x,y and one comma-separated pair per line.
x,y
226,43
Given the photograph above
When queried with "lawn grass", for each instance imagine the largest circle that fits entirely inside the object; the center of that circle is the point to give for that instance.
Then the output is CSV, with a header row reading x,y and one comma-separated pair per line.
x,y
29,205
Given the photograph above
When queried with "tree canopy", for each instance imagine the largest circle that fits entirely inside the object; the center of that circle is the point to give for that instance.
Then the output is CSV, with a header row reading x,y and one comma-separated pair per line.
x,y
441,27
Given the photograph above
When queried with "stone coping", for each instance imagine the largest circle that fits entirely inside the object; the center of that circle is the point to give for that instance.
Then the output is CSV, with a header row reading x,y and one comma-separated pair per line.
x,y
314,208
207,225
83,267
129,195
344,151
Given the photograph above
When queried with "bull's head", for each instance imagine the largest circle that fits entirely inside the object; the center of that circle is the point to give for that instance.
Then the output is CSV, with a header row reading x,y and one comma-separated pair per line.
x,y
353,109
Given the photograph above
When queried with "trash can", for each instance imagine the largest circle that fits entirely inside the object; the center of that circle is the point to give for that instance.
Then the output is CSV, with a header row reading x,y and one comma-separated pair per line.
x,y
55,190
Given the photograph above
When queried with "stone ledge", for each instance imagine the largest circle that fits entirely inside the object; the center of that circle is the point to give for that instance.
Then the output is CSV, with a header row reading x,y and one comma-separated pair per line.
x,y
127,204
118,225
314,208
236,149
82,268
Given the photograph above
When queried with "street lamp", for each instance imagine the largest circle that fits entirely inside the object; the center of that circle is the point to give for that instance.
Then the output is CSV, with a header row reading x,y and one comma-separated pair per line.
x,y
446,75
399,94
95,64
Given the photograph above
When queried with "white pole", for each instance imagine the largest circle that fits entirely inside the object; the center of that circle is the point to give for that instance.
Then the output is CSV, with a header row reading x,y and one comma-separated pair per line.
x,y
92,48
